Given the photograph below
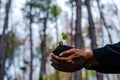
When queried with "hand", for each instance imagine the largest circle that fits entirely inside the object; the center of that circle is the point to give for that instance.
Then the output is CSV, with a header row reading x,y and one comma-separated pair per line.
x,y
71,60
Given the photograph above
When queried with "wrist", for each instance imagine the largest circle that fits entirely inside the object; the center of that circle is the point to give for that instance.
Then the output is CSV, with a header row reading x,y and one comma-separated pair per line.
x,y
91,60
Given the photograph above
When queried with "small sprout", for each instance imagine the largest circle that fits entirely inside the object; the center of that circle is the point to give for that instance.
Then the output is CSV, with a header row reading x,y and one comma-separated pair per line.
x,y
61,46
60,43
64,37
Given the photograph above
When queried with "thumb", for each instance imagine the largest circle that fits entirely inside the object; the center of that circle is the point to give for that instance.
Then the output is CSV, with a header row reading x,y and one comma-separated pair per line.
x,y
67,53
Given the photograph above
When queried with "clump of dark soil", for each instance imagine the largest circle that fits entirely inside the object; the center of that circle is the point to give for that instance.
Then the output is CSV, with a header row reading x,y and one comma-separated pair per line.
x,y
60,49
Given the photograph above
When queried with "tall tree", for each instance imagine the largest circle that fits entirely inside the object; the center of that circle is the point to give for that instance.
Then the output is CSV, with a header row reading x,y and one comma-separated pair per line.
x,y
72,14
107,27
55,11
31,42
71,33
79,42
43,41
3,39
103,20
92,33
38,13
12,44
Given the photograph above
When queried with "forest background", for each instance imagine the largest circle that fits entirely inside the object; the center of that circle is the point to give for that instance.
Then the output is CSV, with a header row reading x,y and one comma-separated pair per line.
x,y
31,29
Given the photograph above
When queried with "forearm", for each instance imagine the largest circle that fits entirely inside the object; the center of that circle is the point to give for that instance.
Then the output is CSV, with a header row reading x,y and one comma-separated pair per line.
x,y
108,59
108,55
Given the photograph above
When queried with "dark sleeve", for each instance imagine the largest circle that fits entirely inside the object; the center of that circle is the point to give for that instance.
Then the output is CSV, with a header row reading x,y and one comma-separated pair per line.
x,y
108,58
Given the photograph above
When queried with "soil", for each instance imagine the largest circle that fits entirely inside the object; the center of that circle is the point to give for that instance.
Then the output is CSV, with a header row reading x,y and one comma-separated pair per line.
x,y
60,49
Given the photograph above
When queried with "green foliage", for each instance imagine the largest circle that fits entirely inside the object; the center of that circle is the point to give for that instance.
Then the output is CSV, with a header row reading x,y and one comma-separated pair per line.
x,y
36,4
12,43
23,68
42,77
60,43
55,10
38,7
62,76
64,37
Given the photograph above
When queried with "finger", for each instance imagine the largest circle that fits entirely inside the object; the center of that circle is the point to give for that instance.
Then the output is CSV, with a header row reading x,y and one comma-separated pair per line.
x,y
57,63
69,62
63,68
59,59
57,67
67,53
71,68
73,57
65,60
78,67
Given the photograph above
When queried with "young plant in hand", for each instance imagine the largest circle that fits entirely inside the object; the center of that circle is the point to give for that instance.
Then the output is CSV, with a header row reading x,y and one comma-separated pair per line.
x,y
61,46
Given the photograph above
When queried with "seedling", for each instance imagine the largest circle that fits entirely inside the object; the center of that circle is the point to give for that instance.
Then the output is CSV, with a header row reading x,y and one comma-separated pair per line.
x,y
64,37
61,46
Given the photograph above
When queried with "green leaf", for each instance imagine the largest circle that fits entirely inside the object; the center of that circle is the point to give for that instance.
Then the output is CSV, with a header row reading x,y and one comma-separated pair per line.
x,y
55,10
37,5
64,36
60,43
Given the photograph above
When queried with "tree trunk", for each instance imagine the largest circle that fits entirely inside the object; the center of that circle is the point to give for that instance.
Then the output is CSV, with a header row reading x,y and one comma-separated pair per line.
x,y
103,20
71,33
43,59
31,45
72,6
92,34
43,45
116,12
3,40
57,31
79,43
57,35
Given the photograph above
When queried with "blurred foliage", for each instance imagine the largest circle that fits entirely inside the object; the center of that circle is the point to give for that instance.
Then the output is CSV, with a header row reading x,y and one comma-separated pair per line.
x,y
62,75
55,10
23,68
64,36
12,44
42,77
60,43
